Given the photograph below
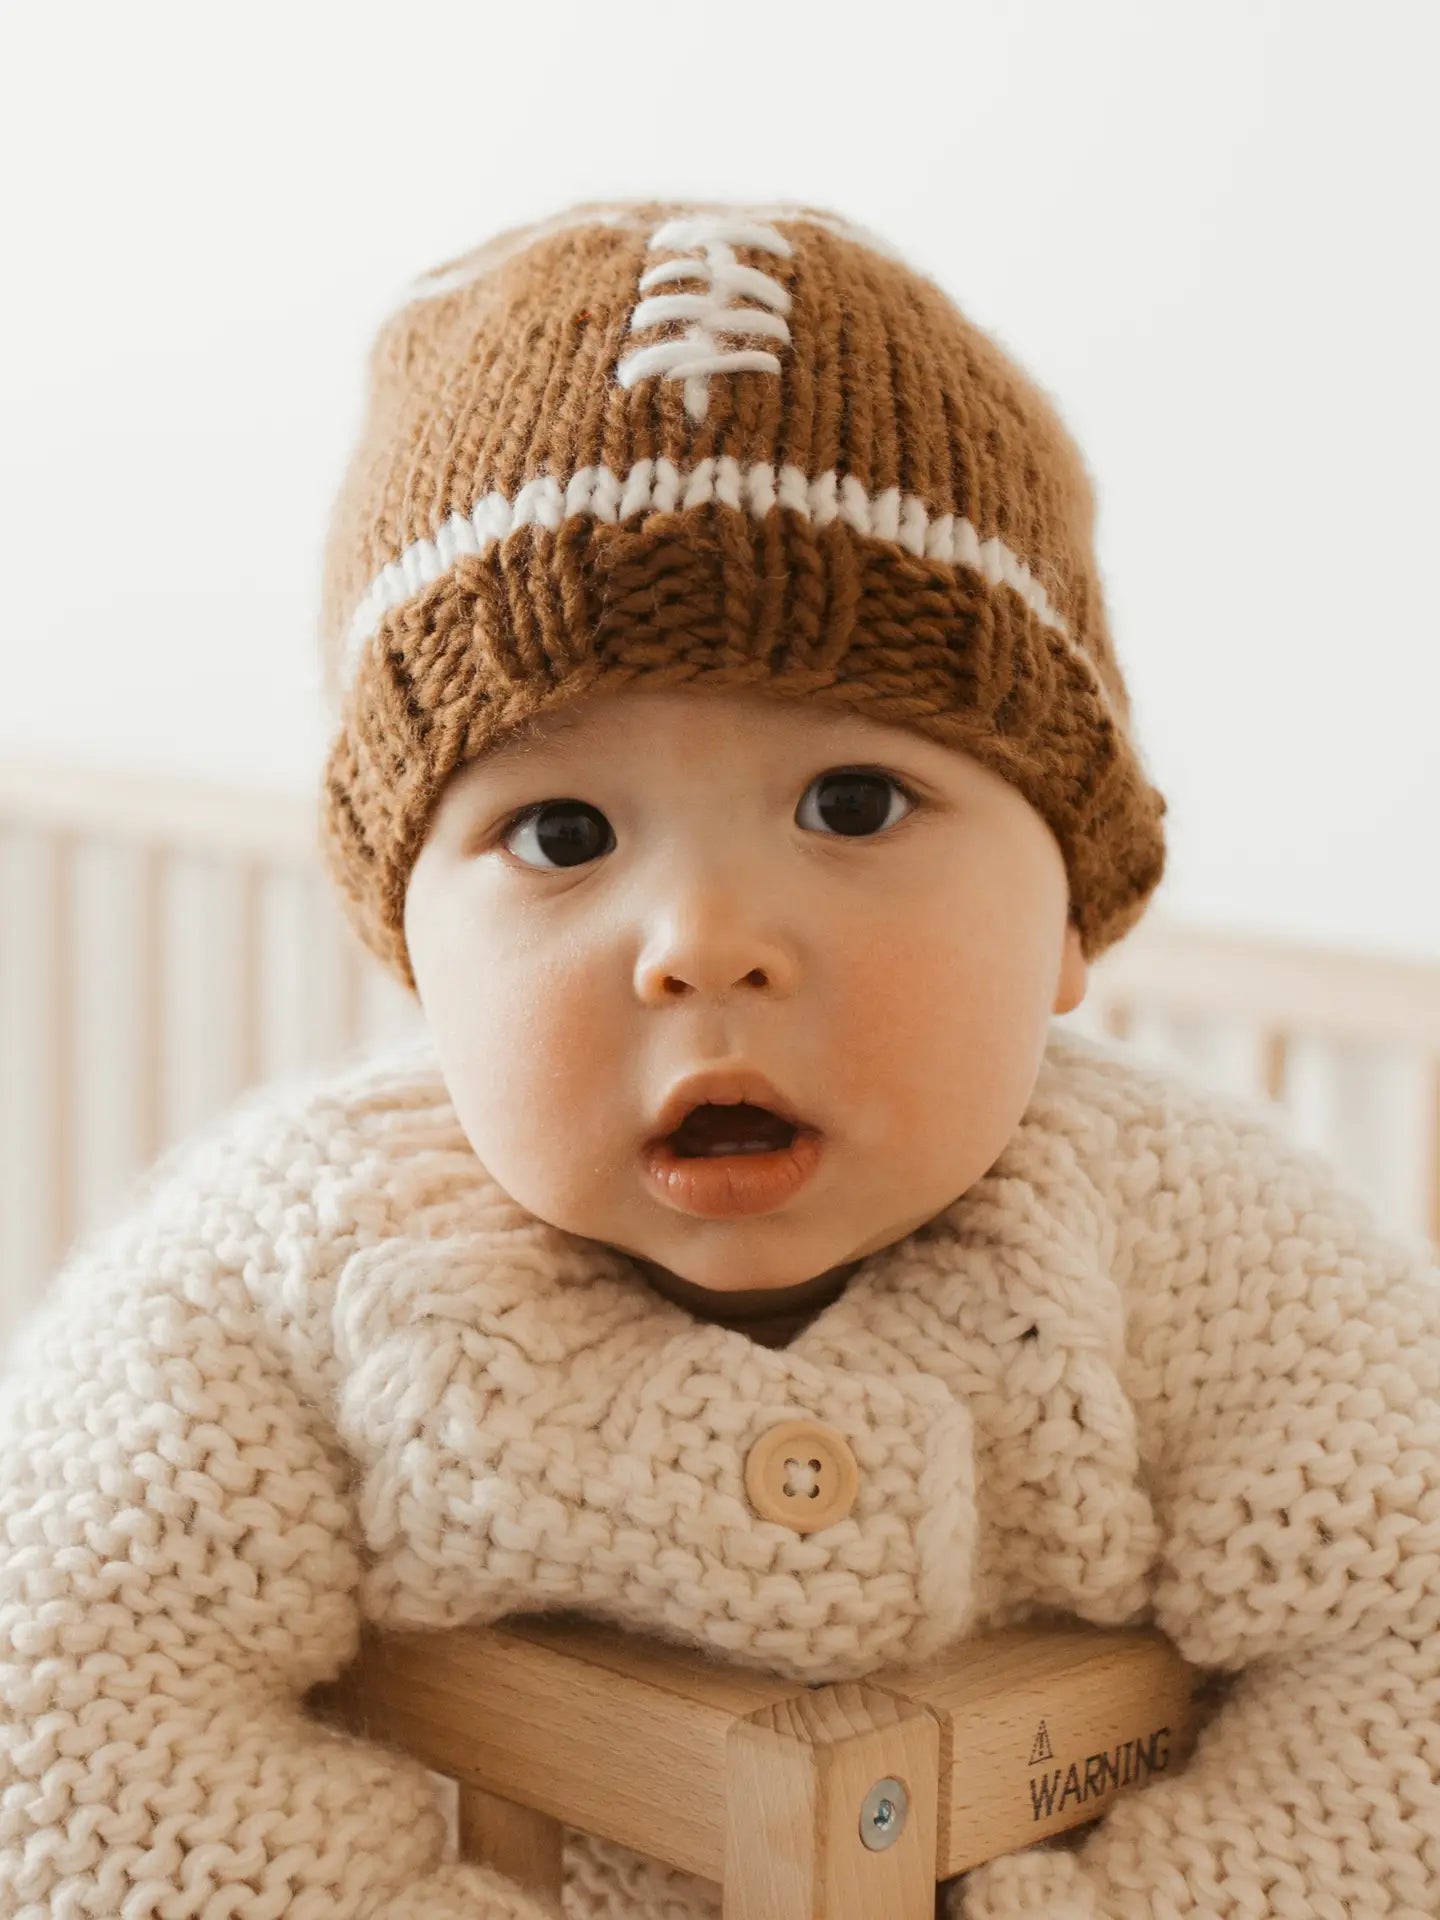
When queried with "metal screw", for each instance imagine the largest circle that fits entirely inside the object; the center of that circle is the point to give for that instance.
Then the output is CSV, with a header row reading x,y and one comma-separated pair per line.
x,y
882,1817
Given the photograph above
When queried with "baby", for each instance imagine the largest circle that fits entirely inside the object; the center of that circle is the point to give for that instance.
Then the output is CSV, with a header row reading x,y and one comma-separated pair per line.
x,y
732,758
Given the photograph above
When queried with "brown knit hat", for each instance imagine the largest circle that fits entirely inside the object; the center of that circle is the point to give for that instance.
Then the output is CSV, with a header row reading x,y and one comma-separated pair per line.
x,y
702,445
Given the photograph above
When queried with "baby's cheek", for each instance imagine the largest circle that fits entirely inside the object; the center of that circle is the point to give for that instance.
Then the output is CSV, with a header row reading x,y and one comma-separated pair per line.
x,y
980,1070
561,1105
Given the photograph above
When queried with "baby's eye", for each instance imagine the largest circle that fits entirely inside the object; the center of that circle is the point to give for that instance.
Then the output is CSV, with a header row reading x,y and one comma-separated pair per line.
x,y
855,804
568,831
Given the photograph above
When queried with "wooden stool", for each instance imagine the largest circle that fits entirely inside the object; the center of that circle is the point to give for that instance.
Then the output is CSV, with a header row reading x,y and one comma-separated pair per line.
x,y
850,1801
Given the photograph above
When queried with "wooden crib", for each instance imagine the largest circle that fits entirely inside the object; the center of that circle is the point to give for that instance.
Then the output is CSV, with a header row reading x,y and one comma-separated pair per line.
x,y
165,945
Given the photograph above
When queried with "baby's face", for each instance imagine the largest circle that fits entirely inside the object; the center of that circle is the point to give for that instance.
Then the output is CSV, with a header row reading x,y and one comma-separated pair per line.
x,y
728,879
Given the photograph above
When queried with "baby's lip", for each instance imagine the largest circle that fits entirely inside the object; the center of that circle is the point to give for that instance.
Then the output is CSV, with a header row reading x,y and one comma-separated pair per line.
x,y
725,1086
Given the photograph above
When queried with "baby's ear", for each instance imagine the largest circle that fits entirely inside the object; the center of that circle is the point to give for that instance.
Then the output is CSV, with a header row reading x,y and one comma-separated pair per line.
x,y
1074,972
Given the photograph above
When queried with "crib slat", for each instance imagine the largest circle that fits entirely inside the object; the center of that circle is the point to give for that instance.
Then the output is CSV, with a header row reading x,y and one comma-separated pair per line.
x,y
248,1057
1117,1018
1274,1062
57,1018
353,965
150,1036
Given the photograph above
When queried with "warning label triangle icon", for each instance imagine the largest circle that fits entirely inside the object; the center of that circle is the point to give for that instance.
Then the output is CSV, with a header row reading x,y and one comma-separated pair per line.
x,y
1042,1749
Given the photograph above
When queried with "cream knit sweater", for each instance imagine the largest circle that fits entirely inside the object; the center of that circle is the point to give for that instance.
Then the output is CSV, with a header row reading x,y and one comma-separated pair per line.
x,y
1157,1365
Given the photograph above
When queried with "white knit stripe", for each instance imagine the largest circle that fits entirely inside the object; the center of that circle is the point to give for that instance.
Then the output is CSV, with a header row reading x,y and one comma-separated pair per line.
x,y
430,286
659,486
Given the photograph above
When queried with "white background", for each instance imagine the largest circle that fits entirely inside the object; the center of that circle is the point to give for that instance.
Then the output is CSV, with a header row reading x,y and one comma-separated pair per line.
x,y
1209,232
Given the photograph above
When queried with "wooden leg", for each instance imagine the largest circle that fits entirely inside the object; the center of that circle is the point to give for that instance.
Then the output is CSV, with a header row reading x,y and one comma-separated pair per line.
x,y
512,1839
805,1792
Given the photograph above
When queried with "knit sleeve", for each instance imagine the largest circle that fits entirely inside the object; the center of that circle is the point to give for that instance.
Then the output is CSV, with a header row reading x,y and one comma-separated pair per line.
x,y
1288,1358
178,1564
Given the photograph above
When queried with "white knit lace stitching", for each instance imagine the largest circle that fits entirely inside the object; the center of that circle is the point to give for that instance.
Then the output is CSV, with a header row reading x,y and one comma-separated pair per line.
x,y
698,352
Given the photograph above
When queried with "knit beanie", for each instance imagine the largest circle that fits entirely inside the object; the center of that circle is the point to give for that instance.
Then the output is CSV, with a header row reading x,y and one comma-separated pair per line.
x,y
714,447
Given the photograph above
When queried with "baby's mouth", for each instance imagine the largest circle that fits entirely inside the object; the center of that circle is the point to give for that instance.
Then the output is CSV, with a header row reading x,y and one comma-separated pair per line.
x,y
733,1161
710,1130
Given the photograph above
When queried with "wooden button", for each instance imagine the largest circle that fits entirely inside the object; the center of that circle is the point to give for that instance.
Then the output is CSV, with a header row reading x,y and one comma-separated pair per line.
x,y
803,1474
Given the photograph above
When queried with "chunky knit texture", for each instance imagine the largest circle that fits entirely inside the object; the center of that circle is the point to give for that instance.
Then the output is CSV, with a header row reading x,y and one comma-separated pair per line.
x,y
1158,1364
713,447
